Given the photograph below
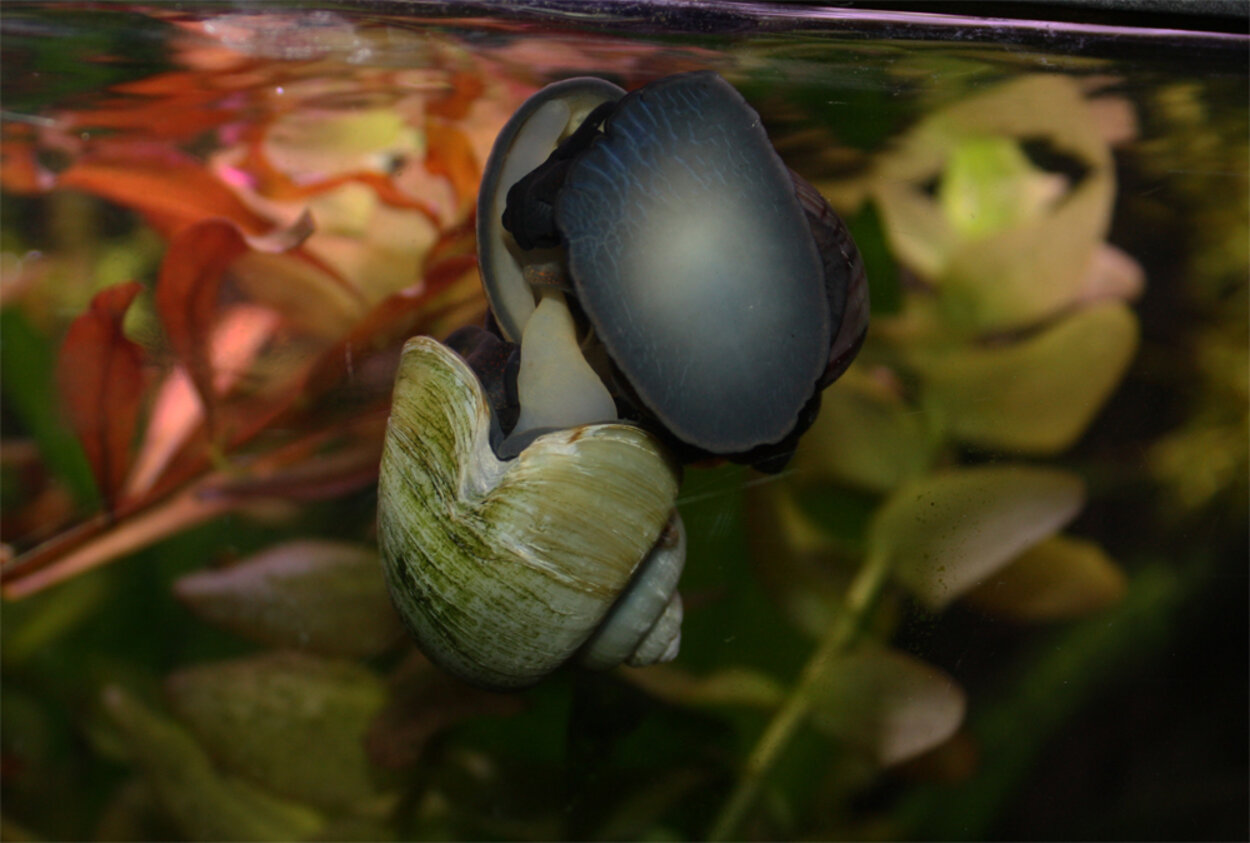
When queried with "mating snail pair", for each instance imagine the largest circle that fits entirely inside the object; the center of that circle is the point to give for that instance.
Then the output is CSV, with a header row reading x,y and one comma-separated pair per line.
x,y
663,289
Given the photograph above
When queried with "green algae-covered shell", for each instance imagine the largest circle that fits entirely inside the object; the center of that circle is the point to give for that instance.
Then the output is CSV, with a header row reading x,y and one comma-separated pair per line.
x,y
503,569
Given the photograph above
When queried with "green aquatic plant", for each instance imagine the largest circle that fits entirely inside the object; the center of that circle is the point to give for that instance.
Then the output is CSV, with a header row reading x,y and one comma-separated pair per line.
x,y
1012,334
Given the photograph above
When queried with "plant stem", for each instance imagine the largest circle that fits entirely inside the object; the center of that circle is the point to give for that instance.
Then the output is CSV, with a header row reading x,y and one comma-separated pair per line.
x,y
845,629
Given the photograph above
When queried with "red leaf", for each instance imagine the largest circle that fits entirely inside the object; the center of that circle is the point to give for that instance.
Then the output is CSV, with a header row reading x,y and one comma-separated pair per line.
x,y
187,294
20,171
189,287
272,183
177,121
466,88
449,154
170,194
382,330
177,413
100,540
100,376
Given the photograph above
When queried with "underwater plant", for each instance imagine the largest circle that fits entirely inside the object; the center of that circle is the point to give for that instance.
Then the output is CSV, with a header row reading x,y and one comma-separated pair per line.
x,y
258,254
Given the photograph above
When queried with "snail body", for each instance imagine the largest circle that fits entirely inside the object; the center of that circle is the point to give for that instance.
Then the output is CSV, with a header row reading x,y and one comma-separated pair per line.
x,y
663,289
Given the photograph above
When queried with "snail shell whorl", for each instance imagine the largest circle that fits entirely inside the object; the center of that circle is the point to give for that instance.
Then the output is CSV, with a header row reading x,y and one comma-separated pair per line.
x,y
502,570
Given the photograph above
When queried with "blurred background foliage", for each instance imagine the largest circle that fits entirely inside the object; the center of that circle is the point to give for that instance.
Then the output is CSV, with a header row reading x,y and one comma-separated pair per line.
x,y
999,592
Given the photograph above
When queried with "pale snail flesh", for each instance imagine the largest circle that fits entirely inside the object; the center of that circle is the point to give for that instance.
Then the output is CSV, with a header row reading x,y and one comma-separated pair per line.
x,y
526,497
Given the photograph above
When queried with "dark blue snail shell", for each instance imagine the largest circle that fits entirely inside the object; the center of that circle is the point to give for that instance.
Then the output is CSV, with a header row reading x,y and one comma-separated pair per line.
x,y
723,288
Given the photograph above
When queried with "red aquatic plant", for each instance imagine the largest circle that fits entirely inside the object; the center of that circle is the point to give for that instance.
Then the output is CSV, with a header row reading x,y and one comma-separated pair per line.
x,y
301,251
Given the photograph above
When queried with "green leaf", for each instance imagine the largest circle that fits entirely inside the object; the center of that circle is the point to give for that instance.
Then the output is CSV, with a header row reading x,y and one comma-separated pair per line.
x,y
885,294
425,700
638,813
866,436
1027,262
989,185
364,829
134,812
1036,395
1061,577
204,803
947,532
1047,686
794,560
32,625
324,597
729,686
26,372
292,723
725,604
886,704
